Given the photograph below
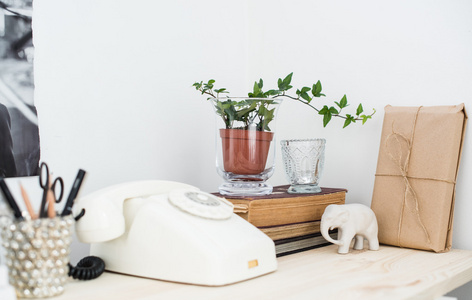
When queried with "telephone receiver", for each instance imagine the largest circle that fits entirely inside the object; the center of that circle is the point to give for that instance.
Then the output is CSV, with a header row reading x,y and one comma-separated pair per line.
x,y
103,218
172,231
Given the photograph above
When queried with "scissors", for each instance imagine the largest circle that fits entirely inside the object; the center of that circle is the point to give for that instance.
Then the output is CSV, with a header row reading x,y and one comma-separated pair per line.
x,y
45,183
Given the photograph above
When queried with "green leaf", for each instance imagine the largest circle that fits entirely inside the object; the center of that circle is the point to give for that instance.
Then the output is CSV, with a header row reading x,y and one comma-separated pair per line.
x,y
222,90
305,89
343,102
260,84
365,118
225,105
316,89
269,115
347,122
288,79
333,110
231,113
284,85
257,92
256,89
305,96
349,119
244,112
326,119
198,85
359,109
208,86
324,110
271,93
304,93
227,111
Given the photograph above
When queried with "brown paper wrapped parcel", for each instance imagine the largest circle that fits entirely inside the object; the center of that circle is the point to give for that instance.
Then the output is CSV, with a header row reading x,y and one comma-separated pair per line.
x,y
419,156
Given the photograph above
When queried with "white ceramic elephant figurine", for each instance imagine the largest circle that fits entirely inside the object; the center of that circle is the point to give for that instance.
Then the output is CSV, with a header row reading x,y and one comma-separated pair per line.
x,y
352,221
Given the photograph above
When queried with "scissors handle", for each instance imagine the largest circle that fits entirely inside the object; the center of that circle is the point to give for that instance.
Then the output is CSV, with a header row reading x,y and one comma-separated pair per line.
x,y
53,188
47,202
44,176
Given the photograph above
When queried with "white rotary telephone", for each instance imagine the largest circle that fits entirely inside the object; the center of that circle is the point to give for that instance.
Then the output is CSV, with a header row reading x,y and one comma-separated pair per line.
x,y
174,232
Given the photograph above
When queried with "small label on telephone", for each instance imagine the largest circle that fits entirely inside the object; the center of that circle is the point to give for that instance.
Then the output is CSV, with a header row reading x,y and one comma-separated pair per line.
x,y
252,263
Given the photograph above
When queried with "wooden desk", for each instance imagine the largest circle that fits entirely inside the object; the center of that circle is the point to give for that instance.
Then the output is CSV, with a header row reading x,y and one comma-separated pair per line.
x,y
390,273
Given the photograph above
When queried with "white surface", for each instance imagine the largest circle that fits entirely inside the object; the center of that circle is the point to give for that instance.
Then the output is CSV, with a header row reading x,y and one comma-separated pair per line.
x,y
114,96
159,240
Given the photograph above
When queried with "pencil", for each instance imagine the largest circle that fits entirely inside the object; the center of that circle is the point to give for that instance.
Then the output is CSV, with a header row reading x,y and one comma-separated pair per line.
x,y
51,201
28,203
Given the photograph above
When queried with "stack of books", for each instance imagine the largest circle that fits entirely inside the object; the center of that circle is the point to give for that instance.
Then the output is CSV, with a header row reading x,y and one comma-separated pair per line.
x,y
292,221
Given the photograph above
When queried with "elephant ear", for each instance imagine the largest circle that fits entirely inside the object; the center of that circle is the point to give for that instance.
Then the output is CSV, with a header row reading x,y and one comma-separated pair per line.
x,y
344,216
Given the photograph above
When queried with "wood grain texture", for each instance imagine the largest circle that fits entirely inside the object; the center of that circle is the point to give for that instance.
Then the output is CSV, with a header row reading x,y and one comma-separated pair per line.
x,y
390,273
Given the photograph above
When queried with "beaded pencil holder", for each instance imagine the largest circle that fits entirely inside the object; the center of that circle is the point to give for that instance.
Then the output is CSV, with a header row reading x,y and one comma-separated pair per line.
x,y
37,255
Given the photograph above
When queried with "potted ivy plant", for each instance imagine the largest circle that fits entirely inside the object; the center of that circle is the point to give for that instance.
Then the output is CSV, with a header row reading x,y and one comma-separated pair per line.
x,y
245,156
247,134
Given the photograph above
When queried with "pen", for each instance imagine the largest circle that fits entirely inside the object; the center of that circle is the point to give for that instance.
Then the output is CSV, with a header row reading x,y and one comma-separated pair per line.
x,y
28,203
11,201
42,208
73,193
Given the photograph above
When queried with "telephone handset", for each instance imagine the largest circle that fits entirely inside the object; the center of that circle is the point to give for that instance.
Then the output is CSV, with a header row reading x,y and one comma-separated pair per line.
x,y
103,219
172,231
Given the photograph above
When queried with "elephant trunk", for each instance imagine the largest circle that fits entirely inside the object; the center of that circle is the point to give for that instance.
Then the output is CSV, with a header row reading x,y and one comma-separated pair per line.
x,y
325,232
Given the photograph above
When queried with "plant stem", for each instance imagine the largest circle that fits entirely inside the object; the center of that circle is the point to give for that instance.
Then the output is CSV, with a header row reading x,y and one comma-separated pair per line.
x,y
297,99
306,103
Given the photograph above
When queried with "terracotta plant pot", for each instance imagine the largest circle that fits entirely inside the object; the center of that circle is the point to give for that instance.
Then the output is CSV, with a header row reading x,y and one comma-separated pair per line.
x,y
245,151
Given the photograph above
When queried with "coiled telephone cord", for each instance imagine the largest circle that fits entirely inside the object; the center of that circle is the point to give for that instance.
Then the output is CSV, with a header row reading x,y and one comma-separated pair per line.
x,y
87,268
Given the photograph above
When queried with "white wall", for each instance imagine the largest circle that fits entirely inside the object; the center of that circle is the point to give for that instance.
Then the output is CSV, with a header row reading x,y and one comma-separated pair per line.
x,y
114,95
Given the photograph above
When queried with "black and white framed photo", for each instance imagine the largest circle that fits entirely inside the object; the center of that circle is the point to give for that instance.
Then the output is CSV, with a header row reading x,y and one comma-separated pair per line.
x,y
19,135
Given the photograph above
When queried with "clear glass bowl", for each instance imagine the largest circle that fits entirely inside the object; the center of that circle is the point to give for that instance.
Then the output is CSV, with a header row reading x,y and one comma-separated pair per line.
x,y
245,144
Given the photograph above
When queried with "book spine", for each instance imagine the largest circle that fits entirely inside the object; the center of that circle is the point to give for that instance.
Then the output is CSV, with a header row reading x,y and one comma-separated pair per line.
x,y
272,215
